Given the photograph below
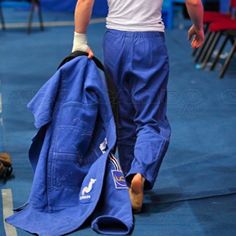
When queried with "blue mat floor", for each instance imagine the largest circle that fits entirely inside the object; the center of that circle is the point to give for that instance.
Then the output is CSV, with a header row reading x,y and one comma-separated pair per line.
x,y
195,193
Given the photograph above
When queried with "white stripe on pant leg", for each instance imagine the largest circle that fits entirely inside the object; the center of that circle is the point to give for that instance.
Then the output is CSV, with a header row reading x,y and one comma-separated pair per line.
x,y
7,206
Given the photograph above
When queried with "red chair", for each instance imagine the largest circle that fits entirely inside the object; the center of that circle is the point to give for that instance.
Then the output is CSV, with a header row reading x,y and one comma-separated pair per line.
x,y
210,17
216,31
228,29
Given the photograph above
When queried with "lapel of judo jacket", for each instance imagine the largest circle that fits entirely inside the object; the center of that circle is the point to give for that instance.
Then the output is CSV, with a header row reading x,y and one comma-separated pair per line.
x,y
73,114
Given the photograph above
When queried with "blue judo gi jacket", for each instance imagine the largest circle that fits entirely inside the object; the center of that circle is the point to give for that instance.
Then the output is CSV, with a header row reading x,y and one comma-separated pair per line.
x,y
76,177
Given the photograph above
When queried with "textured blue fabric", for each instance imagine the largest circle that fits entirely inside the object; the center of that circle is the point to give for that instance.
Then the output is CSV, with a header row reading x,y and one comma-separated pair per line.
x,y
138,64
74,178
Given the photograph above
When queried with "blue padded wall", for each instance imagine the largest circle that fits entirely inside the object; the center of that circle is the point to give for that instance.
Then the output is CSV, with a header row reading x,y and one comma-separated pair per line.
x,y
56,5
100,6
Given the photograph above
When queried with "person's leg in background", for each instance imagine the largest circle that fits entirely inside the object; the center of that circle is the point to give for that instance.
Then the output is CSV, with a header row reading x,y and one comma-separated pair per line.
x,y
138,63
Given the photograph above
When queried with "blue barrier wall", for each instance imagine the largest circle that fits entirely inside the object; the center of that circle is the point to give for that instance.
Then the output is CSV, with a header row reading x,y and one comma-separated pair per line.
x,y
56,5
100,6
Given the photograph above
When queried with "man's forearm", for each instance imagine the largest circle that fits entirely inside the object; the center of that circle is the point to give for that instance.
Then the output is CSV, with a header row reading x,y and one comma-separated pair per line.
x,y
82,16
195,11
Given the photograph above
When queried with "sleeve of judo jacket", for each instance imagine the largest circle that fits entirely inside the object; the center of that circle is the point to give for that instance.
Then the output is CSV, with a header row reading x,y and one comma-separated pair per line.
x,y
113,214
43,102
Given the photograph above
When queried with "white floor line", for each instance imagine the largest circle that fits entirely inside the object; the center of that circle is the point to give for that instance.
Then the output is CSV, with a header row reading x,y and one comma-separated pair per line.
x,y
51,23
0,97
7,207
0,102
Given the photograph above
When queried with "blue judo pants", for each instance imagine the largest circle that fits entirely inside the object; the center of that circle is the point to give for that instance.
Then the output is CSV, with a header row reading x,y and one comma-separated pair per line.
x,y
138,64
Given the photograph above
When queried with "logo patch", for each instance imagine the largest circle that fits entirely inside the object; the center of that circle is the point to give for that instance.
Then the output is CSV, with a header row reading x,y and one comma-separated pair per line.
x,y
87,189
119,179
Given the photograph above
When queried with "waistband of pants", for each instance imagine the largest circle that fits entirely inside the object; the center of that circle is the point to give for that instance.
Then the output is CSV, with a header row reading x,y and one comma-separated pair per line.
x,y
141,34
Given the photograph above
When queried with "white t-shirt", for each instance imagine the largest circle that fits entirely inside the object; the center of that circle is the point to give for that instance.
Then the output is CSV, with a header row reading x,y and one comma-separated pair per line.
x,y
135,15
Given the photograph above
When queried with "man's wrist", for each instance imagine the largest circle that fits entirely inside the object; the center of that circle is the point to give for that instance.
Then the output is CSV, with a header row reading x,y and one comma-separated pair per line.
x,y
198,28
80,42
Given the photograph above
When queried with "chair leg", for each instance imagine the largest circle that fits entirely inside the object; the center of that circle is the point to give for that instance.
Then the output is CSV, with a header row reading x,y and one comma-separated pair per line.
x,y
31,18
211,49
228,60
207,47
35,6
40,16
2,19
208,38
219,53
194,52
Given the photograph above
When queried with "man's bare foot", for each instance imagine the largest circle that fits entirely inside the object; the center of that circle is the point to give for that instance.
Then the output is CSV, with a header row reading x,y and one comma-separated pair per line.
x,y
136,192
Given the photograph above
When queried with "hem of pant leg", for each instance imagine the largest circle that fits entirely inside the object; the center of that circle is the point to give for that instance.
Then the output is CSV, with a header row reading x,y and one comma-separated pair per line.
x,y
148,181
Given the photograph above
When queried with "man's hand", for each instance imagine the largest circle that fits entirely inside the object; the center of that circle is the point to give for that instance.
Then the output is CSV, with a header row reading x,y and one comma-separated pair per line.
x,y
196,37
80,44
